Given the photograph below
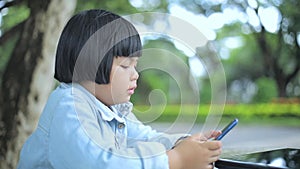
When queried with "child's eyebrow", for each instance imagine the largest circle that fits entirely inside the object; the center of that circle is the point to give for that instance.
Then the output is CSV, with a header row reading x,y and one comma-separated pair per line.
x,y
129,60
134,59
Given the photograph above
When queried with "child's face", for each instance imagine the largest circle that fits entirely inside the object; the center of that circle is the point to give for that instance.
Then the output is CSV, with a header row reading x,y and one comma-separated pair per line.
x,y
123,81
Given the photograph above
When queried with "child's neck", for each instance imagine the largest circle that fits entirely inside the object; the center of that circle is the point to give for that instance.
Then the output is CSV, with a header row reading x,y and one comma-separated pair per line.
x,y
99,91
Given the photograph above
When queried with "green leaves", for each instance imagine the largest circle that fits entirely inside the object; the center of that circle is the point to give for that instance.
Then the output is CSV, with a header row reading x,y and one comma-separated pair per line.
x,y
242,111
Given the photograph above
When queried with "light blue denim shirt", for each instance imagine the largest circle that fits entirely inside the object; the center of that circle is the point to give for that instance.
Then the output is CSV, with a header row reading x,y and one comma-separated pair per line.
x,y
77,131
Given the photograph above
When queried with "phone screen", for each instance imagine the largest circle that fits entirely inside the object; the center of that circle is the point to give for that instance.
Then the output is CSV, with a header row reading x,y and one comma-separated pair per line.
x,y
227,129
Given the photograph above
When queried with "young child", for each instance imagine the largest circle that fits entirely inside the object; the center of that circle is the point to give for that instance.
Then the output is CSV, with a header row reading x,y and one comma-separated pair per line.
x,y
87,122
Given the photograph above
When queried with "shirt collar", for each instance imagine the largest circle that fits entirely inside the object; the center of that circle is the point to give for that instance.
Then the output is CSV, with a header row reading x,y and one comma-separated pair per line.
x,y
123,109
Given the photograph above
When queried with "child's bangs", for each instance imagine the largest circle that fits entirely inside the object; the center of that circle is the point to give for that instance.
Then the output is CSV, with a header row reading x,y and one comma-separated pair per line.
x,y
129,47
127,40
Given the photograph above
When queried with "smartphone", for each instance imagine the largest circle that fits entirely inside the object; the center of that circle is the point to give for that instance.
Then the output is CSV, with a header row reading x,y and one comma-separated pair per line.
x,y
227,129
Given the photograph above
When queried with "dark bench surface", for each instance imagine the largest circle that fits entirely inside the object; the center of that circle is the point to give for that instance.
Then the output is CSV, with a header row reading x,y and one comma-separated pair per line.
x,y
275,159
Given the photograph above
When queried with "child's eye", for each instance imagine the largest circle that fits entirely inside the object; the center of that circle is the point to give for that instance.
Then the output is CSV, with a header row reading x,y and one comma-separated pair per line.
x,y
124,66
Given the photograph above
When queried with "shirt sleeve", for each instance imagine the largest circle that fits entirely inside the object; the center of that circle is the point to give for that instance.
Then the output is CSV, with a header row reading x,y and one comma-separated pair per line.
x,y
76,141
138,131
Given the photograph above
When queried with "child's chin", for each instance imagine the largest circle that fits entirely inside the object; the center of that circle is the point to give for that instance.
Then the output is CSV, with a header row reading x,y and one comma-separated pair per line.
x,y
123,101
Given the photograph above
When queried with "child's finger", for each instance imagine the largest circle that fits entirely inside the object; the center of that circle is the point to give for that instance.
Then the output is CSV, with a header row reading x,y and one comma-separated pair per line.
x,y
213,145
216,133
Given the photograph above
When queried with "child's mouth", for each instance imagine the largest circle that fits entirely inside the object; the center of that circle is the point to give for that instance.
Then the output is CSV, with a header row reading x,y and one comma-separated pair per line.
x,y
131,90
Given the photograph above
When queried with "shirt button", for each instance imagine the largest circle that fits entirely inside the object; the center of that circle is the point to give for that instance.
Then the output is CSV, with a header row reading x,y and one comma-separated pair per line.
x,y
121,125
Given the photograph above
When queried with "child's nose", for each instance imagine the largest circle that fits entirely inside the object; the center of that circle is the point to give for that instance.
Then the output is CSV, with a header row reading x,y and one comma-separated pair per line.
x,y
135,75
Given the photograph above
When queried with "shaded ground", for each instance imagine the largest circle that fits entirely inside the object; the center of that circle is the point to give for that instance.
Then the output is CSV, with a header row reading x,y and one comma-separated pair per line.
x,y
245,138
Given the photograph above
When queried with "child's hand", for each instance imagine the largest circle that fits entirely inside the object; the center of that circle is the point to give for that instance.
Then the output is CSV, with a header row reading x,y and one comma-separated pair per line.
x,y
206,136
193,154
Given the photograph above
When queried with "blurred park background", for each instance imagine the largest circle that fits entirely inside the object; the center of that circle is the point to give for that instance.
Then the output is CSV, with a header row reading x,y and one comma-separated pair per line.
x,y
256,41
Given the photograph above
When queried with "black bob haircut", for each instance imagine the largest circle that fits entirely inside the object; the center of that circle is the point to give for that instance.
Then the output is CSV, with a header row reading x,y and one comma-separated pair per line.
x,y
88,44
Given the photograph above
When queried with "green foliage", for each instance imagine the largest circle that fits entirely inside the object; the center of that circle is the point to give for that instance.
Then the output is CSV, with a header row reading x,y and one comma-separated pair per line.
x,y
245,61
266,90
15,15
290,9
205,91
119,7
264,53
241,111
263,110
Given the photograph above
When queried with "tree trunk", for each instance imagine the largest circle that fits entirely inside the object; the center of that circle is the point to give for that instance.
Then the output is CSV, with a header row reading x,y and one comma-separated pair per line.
x,y
272,68
28,78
